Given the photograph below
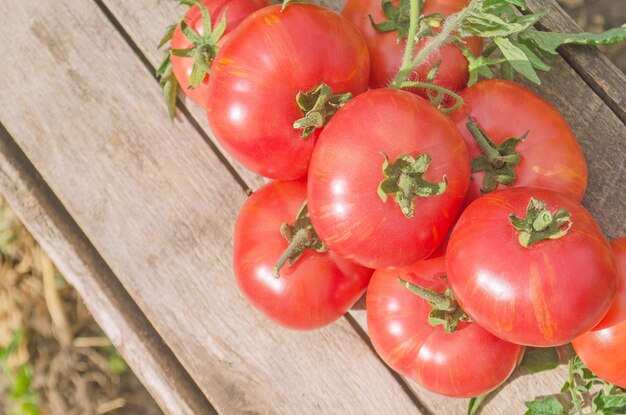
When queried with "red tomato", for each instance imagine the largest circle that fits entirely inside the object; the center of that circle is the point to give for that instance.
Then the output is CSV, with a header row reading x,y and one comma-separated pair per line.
x,y
312,292
550,155
545,294
398,325
236,11
263,66
386,51
346,170
617,312
603,349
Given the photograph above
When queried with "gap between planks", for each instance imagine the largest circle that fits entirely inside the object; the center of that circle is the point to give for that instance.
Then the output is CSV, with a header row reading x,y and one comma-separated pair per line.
x,y
52,226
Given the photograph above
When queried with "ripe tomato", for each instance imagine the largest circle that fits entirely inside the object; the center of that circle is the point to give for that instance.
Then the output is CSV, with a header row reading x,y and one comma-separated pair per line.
x,y
603,349
263,66
316,289
617,312
545,294
549,156
236,11
398,325
386,51
345,173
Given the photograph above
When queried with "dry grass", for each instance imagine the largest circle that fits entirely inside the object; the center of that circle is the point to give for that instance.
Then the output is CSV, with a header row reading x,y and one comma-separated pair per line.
x,y
54,359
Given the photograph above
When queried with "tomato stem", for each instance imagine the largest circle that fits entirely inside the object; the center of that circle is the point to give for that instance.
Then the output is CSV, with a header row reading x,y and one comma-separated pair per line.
x,y
296,245
498,161
450,25
445,309
439,300
301,236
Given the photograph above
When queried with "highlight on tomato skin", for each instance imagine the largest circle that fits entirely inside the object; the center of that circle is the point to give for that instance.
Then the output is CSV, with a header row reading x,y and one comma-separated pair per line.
x,y
260,70
317,289
549,153
378,128
236,11
603,349
545,293
466,363
386,51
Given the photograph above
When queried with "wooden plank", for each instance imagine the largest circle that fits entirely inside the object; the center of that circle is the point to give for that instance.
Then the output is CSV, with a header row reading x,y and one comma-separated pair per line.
x,y
159,207
594,67
139,20
562,87
120,318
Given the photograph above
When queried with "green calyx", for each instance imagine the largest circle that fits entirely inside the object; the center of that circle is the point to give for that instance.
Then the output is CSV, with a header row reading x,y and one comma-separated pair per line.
x,y
399,19
445,312
204,46
301,236
318,107
404,181
498,161
540,223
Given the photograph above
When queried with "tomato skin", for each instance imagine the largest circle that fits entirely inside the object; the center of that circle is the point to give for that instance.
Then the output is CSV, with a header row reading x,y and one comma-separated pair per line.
x,y
398,326
314,291
544,295
602,349
345,172
551,155
258,73
236,11
617,312
386,52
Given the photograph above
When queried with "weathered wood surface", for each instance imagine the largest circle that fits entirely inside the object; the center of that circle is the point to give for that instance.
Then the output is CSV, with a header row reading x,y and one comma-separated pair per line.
x,y
158,205
138,19
46,219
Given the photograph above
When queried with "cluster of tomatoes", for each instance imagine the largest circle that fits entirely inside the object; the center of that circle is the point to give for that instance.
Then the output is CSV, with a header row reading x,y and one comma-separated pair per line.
x,y
466,230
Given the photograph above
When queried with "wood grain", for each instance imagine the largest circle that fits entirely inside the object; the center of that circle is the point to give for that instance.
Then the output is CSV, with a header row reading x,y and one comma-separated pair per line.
x,y
125,325
159,206
564,88
594,67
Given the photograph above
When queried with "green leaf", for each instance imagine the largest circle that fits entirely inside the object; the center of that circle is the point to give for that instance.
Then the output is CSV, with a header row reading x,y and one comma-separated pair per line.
x,y
545,406
517,58
12,347
535,60
549,41
476,403
611,404
21,383
169,84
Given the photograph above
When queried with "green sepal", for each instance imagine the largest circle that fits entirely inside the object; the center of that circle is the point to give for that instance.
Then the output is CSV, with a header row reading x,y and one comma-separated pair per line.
x,y
498,161
445,311
540,224
286,3
318,106
169,84
204,47
404,181
398,18
300,236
